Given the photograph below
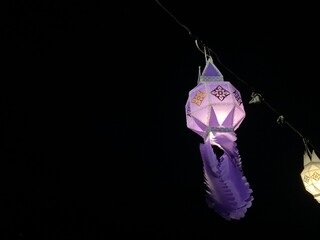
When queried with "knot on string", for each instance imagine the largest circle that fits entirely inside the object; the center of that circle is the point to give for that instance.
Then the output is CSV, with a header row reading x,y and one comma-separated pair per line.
x,y
256,98
280,120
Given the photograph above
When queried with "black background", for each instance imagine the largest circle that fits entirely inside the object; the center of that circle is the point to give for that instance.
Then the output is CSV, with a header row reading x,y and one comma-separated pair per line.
x,y
94,140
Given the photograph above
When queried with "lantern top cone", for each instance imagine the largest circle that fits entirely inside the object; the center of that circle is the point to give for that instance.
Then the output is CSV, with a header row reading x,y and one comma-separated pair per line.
x,y
210,72
214,105
307,160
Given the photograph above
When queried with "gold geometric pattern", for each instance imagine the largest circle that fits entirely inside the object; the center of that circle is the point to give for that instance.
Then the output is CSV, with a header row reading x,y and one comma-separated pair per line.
x,y
199,97
220,93
316,176
306,178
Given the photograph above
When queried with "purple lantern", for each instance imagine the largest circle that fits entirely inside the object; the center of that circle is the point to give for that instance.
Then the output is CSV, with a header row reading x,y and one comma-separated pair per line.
x,y
214,110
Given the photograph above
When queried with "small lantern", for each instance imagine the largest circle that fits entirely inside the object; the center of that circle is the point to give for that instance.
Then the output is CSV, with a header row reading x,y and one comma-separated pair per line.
x,y
311,174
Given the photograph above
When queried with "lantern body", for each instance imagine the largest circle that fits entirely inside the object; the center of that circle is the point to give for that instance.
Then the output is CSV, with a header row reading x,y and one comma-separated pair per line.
x,y
311,175
214,104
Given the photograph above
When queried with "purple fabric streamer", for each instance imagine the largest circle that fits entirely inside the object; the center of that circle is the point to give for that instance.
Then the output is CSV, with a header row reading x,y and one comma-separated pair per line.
x,y
228,192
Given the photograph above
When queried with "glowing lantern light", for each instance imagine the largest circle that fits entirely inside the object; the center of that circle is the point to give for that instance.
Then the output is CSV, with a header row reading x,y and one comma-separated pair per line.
x,y
214,103
214,110
311,174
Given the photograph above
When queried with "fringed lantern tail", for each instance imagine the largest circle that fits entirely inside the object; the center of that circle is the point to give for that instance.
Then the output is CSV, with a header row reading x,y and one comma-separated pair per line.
x,y
228,192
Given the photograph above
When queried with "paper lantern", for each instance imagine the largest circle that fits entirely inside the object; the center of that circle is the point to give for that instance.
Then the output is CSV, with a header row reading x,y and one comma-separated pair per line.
x,y
214,104
311,174
214,110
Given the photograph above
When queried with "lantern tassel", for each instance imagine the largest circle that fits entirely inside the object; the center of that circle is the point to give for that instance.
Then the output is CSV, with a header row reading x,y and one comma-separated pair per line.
x,y
228,192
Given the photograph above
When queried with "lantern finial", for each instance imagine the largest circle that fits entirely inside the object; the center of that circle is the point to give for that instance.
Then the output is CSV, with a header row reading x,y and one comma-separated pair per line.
x,y
210,72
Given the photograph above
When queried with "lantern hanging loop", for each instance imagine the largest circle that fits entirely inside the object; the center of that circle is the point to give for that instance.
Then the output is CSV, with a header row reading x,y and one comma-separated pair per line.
x,y
206,50
305,142
207,53
197,44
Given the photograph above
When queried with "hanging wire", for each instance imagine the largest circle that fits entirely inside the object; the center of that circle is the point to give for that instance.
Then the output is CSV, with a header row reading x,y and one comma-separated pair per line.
x,y
200,44
256,97
305,142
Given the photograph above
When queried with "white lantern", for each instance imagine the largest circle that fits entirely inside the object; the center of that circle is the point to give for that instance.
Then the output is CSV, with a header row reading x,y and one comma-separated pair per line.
x,y
311,174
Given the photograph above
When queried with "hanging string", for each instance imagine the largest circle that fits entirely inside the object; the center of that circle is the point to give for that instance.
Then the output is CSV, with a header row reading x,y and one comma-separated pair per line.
x,y
256,97
199,44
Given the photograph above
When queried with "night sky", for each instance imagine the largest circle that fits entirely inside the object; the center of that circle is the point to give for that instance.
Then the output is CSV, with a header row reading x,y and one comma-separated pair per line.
x,y
94,139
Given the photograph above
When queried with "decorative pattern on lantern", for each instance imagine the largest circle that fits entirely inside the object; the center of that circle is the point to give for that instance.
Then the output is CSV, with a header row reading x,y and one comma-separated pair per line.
x,y
214,110
311,174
